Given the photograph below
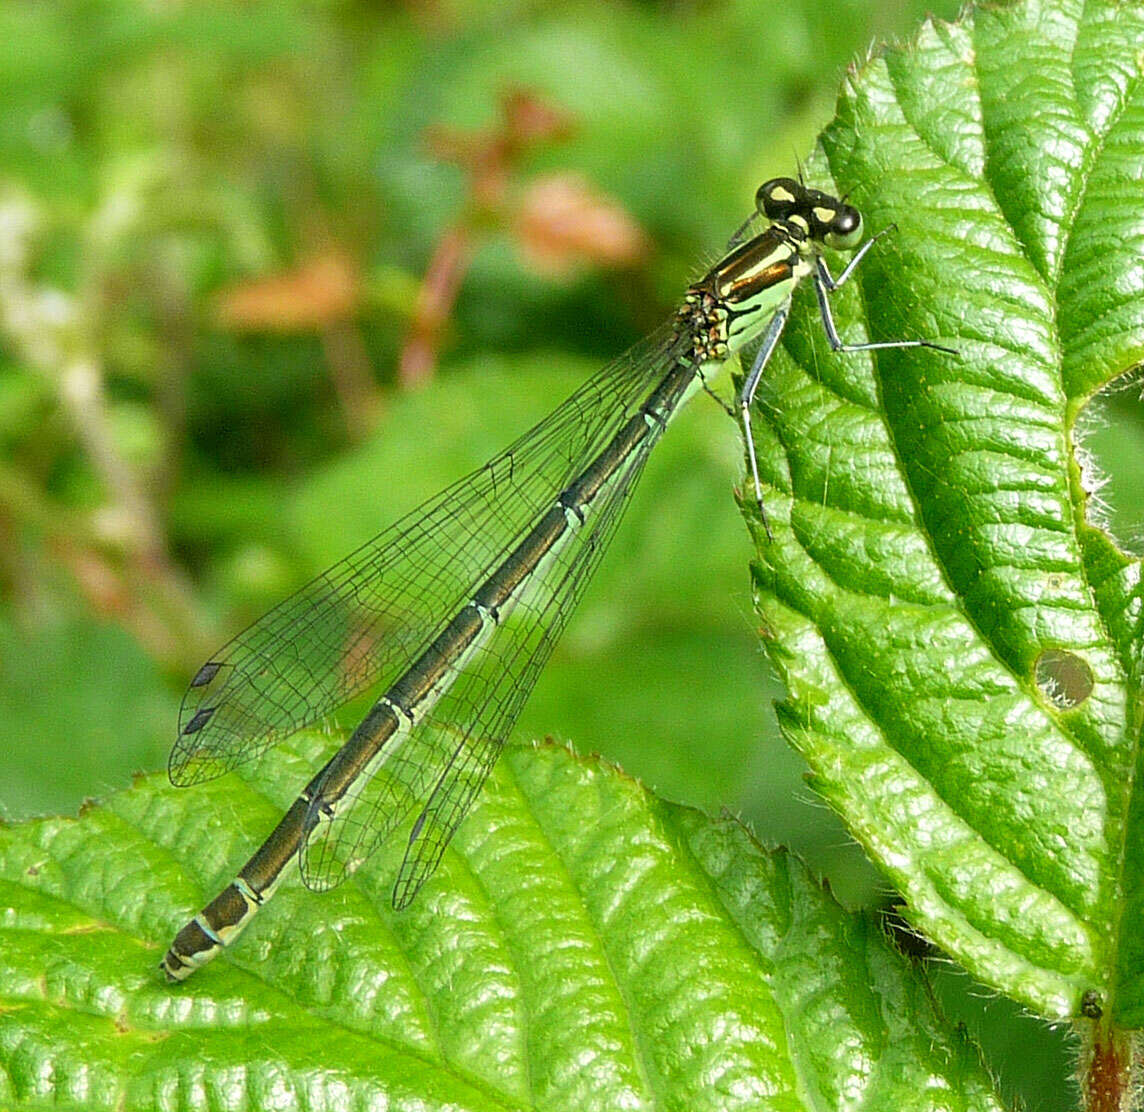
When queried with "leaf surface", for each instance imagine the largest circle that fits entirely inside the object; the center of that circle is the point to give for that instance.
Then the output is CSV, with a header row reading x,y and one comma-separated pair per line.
x,y
960,640
584,945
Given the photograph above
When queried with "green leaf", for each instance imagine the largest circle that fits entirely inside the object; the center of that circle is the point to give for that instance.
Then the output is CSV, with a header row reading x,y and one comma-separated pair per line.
x,y
584,945
961,644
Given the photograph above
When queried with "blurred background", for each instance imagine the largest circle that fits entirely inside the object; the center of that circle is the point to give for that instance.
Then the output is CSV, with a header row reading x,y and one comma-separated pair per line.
x,y
271,273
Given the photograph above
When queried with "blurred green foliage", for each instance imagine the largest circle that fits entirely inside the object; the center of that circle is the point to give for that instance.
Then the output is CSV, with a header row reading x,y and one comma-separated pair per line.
x,y
195,417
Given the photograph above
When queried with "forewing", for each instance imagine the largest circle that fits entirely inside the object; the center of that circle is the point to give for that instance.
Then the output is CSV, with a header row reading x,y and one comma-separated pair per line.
x,y
440,766
359,624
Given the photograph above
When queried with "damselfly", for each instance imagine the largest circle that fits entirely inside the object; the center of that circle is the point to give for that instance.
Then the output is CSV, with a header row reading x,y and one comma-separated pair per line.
x,y
451,613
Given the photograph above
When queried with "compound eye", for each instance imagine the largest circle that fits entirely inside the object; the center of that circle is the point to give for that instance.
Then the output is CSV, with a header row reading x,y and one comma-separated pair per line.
x,y
778,198
845,230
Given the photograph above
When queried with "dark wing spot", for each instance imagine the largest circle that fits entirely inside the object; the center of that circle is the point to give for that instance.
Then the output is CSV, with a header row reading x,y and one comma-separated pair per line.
x,y
206,673
200,718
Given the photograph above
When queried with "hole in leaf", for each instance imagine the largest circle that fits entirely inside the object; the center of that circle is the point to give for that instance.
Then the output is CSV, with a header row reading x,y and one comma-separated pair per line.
x,y
1109,435
1063,677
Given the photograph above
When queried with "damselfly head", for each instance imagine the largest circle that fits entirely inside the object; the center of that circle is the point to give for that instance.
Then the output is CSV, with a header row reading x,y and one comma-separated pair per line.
x,y
818,215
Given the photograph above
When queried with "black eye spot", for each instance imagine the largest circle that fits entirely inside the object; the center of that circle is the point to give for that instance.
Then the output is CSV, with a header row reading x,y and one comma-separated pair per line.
x,y
1063,678
846,221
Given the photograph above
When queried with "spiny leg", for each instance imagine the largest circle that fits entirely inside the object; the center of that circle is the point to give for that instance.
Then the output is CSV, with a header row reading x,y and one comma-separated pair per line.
x,y
825,284
725,406
747,397
833,283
